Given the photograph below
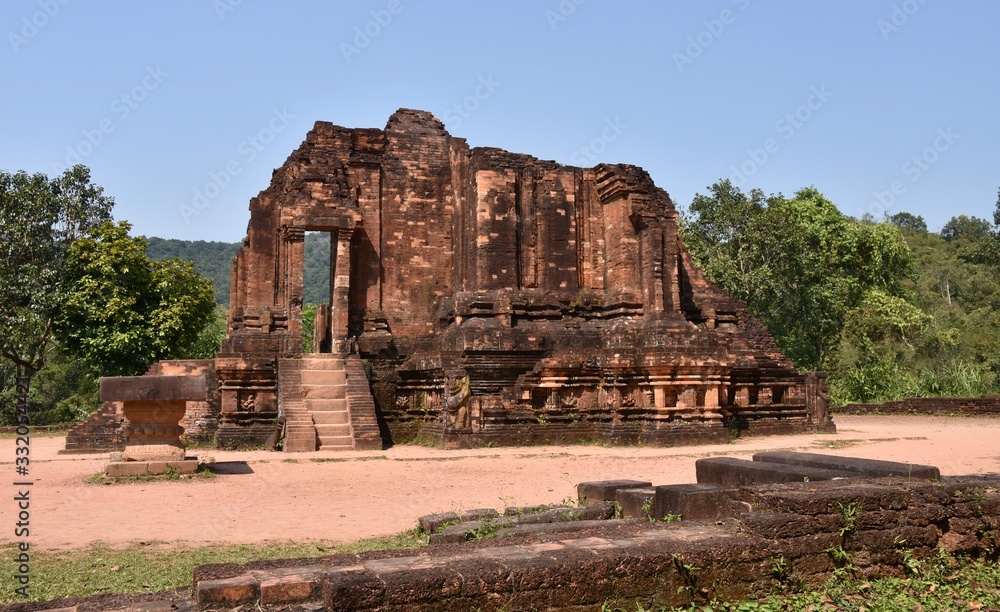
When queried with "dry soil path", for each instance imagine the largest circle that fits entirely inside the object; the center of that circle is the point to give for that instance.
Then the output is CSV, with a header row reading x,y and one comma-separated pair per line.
x,y
349,495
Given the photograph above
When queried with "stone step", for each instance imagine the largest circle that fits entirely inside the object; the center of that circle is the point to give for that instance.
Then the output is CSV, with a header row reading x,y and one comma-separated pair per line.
x,y
322,364
324,392
323,377
636,503
605,490
864,467
321,405
333,430
332,417
694,501
343,442
300,438
299,445
738,472
336,447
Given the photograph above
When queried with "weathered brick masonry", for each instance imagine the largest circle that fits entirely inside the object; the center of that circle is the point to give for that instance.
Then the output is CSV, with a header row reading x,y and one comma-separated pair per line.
x,y
105,429
988,405
496,298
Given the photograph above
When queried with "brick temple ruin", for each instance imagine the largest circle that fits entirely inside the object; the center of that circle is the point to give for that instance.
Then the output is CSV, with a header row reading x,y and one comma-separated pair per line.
x,y
485,297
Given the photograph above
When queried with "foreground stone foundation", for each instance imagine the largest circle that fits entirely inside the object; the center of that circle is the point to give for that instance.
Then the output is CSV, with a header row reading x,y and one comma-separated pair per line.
x,y
636,561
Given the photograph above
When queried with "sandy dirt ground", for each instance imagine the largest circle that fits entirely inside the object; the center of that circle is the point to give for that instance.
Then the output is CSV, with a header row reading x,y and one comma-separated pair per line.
x,y
343,496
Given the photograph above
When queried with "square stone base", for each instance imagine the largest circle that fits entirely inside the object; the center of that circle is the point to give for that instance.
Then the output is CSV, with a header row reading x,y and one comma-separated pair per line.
x,y
188,465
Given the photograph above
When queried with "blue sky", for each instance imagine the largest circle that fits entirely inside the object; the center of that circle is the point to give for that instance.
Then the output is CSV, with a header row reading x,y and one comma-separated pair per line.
x,y
182,109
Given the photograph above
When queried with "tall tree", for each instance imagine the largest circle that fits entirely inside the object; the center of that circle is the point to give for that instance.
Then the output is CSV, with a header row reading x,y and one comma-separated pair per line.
x,y
39,220
962,226
799,264
908,221
126,311
727,232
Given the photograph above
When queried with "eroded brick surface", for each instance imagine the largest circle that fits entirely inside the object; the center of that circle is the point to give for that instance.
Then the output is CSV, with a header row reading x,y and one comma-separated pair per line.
x,y
497,299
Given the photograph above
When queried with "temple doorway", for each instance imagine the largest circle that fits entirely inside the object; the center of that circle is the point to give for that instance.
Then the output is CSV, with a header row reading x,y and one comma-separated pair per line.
x,y
317,273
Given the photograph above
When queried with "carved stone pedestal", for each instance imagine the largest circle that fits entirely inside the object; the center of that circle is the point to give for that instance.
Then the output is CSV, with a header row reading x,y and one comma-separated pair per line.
x,y
154,407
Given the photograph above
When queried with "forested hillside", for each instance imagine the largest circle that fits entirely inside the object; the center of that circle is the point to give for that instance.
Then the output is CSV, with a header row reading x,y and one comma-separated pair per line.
x,y
211,259
889,309
214,260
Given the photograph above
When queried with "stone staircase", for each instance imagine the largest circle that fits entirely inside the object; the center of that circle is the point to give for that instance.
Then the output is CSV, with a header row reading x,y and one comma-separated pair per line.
x,y
324,390
316,401
300,433
103,432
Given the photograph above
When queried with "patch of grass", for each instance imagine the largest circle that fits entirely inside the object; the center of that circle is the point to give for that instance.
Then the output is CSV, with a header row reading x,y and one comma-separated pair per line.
x,y
430,459
36,433
850,442
204,472
148,567
323,460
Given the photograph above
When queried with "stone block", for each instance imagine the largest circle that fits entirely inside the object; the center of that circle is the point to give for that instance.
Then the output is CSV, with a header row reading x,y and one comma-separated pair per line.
x,y
432,523
633,502
738,472
229,591
290,588
421,585
455,533
694,501
604,490
126,468
140,468
353,590
560,514
530,529
153,388
865,467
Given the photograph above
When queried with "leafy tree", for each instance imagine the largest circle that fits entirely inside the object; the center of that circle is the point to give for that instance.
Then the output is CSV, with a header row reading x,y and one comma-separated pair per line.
x,y
126,311
905,220
729,234
830,264
996,211
39,220
210,339
799,264
961,226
